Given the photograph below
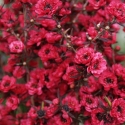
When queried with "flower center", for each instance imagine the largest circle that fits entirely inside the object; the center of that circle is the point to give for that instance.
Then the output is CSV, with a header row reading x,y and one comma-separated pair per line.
x,y
34,85
109,80
96,65
105,117
66,108
89,100
85,56
16,47
119,109
40,113
47,51
46,78
47,6
6,84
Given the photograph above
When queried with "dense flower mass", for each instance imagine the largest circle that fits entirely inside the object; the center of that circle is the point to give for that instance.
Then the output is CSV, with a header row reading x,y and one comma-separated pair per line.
x,y
58,64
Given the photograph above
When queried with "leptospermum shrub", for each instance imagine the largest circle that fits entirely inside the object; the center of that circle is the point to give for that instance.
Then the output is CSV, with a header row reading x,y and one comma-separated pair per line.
x,y
58,66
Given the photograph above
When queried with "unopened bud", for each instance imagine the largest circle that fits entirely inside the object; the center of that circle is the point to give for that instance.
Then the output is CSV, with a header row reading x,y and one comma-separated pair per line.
x,y
24,63
32,20
72,86
8,30
107,27
85,79
68,36
89,38
98,25
117,48
68,44
59,26
74,21
17,35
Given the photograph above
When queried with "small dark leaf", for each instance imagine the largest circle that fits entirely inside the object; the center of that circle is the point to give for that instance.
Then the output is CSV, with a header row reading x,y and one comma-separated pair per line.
x,y
48,101
103,39
71,115
76,76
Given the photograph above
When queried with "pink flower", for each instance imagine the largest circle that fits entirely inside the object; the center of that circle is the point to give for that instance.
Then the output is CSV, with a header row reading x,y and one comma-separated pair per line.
x,y
97,65
16,47
12,102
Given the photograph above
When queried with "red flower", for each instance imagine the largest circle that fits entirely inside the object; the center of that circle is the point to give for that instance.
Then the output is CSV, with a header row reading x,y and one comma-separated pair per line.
x,y
120,89
91,86
49,80
84,56
4,110
12,102
72,103
53,37
119,71
18,72
117,9
108,80
97,65
7,83
59,120
101,117
35,37
64,120
89,102
71,74
34,87
65,10
79,41
16,47
92,32
50,110
48,52
49,23
47,7
27,121
97,4
118,110
32,113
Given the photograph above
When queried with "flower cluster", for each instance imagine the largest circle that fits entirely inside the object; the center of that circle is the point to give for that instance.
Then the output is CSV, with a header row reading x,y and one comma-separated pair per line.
x,y
58,65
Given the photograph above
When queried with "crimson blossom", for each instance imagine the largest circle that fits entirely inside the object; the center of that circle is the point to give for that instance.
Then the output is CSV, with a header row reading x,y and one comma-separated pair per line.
x,y
59,62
